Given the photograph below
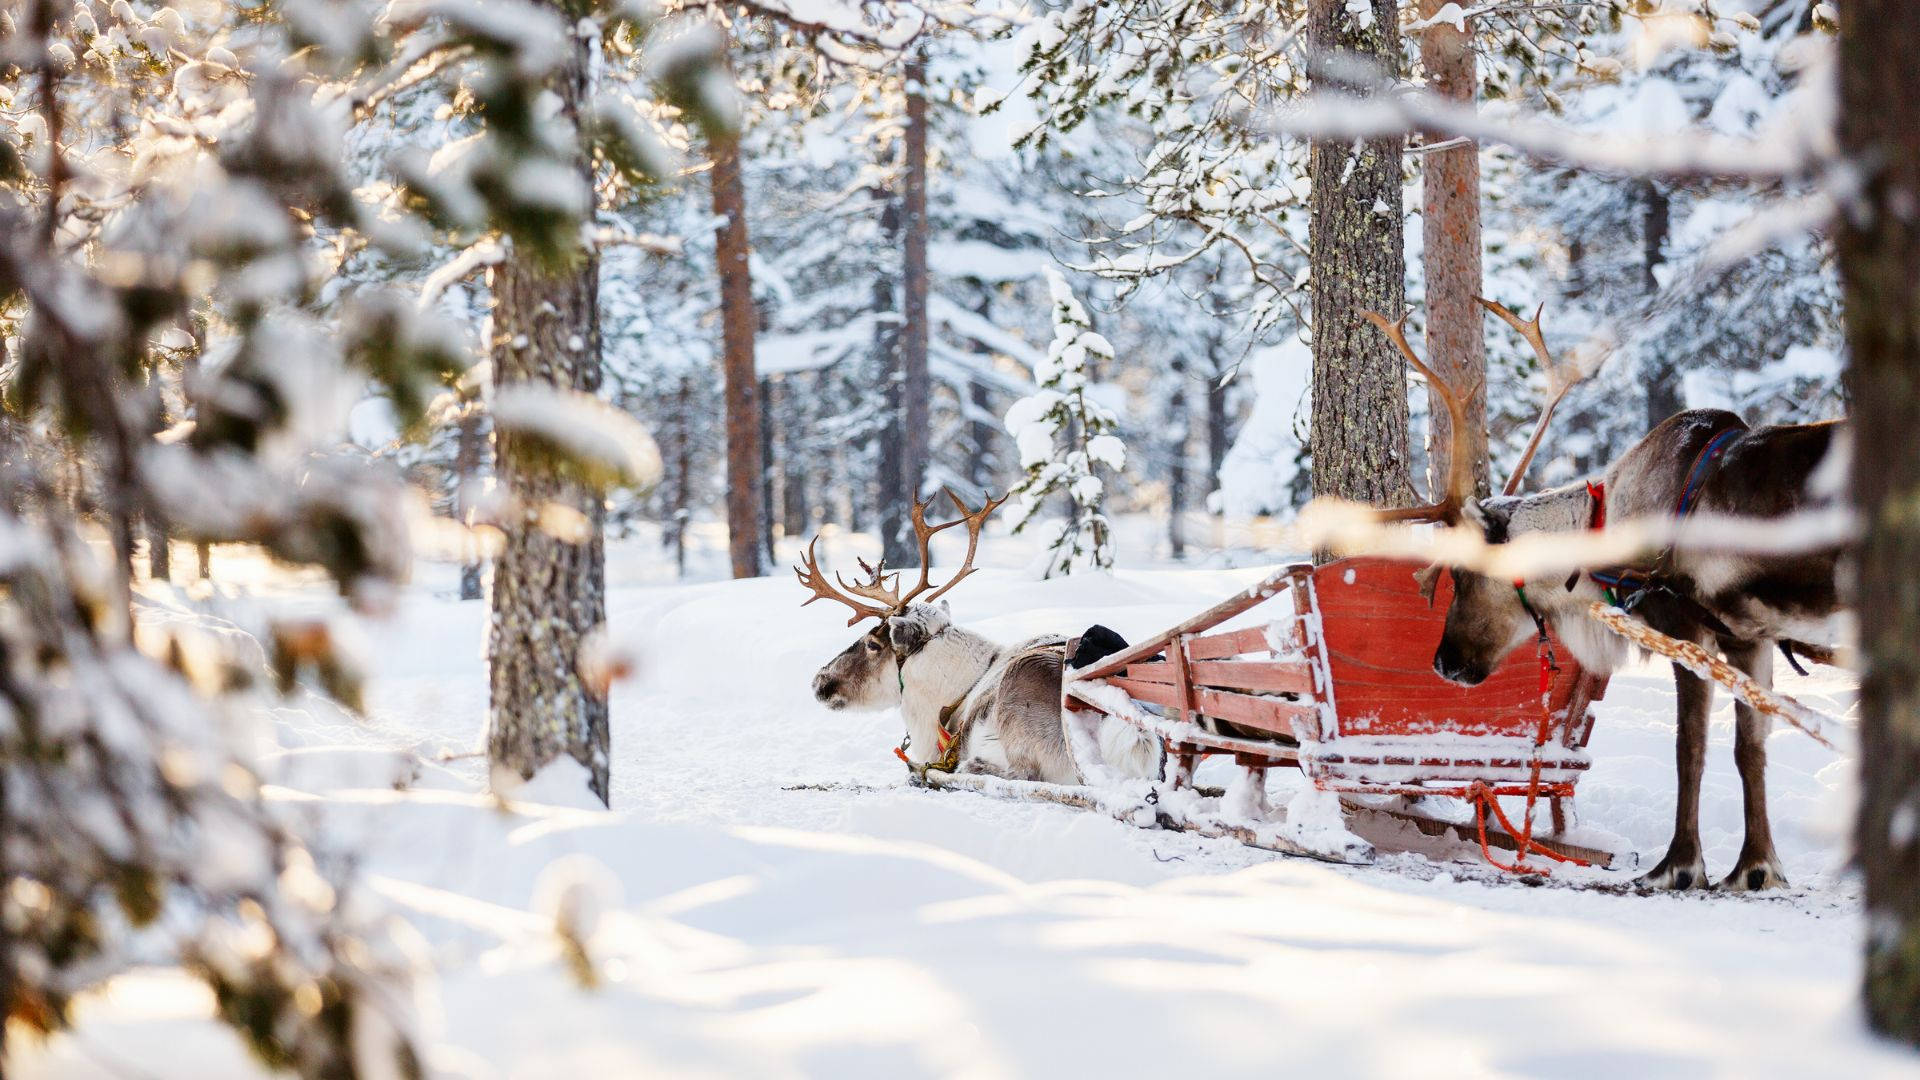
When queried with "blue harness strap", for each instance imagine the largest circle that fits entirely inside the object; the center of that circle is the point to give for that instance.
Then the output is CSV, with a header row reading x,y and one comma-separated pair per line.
x,y
1702,468
1625,587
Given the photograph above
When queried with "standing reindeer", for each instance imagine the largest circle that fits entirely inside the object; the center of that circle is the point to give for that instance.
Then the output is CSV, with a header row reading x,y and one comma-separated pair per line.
x,y
970,705
1745,605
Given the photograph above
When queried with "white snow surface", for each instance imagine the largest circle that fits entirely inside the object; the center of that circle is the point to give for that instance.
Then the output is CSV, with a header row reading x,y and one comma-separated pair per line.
x,y
856,927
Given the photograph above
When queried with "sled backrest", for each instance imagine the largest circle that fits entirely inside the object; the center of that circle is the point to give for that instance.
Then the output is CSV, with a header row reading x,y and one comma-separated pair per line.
x,y
1378,634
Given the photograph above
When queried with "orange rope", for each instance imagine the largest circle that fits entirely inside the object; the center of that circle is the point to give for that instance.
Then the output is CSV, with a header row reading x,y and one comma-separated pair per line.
x,y
1483,797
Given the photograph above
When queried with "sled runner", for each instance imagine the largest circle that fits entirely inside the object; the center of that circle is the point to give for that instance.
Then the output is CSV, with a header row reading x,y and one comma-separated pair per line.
x,y
1337,681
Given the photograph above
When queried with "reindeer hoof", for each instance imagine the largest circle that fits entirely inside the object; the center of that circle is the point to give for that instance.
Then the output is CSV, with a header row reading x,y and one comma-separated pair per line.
x,y
1676,874
1755,875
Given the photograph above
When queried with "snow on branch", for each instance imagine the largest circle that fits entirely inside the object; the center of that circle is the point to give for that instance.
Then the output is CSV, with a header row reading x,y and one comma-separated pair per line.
x,y
1803,146
583,434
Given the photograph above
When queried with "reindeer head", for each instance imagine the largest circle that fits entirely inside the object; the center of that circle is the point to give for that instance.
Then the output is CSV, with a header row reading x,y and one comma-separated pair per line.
x,y
869,674
1487,618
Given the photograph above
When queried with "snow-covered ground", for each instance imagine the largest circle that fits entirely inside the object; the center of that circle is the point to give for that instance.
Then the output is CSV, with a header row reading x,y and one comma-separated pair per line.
x,y
775,902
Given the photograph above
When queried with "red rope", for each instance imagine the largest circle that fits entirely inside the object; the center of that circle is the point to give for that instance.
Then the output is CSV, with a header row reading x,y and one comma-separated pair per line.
x,y
1484,799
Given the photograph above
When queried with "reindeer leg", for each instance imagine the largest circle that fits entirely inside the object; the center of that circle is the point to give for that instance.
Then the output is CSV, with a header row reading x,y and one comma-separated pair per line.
x,y
1758,866
1683,867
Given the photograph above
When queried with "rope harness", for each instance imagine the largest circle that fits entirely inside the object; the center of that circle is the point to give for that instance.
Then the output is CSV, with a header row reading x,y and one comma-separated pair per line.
x,y
1483,797
946,743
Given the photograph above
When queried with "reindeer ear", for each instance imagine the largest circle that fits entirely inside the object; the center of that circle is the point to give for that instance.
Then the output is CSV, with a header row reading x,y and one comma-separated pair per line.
x,y
1429,579
906,633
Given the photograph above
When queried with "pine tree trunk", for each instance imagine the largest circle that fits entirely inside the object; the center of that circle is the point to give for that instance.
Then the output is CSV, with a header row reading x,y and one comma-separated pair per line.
x,y
548,591
980,438
889,474
1878,245
1664,397
916,391
766,467
466,480
1450,224
1178,429
159,553
1359,438
738,323
795,510
682,474
1218,441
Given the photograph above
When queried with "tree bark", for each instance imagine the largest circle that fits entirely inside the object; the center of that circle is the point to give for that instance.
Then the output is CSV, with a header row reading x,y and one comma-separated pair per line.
x,y
889,474
1450,228
1179,428
1218,441
549,591
767,467
466,480
1358,262
683,474
738,323
916,391
796,509
159,553
1878,245
1663,374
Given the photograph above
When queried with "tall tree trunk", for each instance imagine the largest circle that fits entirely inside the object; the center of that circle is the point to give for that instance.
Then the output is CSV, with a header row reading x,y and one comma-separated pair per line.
x,y
979,437
467,449
159,553
1879,254
1359,438
549,591
1663,375
889,474
1450,227
682,474
1218,437
795,462
738,323
767,470
916,392
1179,419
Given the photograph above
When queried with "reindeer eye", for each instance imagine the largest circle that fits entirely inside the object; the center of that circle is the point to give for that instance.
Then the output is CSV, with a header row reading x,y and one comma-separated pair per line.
x,y
872,645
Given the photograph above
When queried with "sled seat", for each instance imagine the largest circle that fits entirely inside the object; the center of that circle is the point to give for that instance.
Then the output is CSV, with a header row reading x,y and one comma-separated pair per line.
x,y
1391,725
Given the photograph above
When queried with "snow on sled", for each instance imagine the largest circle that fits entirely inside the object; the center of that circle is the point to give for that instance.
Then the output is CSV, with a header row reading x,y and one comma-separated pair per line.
x,y
1338,682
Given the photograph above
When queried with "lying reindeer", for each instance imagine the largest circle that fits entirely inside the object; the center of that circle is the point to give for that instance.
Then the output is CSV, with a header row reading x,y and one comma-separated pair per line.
x,y
1704,459
970,705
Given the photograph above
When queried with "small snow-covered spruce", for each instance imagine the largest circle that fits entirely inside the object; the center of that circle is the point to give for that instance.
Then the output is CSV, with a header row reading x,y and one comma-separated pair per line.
x,y
1063,435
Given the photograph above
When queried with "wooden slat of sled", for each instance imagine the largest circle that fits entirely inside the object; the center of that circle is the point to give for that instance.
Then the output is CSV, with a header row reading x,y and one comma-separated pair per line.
x,y
1266,676
1264,714
1253,639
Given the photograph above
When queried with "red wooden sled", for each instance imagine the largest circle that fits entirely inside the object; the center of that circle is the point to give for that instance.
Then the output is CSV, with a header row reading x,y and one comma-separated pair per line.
x,y
1339,683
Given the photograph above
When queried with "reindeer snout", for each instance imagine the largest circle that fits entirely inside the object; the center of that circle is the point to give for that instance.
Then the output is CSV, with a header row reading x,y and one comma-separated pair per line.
x,y
826,690
1451,666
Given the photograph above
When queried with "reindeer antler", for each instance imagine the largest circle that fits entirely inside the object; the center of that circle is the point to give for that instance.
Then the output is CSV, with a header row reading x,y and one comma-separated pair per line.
x,y
1561,376
924,533
810,575
1459,459
862,596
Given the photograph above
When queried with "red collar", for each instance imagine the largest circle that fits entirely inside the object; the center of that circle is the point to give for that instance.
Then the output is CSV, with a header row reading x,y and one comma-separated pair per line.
x,y
1597,517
